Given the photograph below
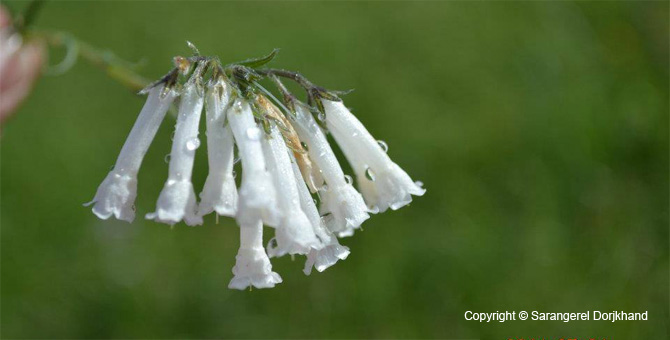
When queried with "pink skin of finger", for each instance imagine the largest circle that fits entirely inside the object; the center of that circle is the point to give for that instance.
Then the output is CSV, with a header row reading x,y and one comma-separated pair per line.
x,y
20,66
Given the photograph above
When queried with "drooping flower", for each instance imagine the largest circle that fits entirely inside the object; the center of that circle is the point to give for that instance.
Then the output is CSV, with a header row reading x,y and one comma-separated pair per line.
x,y
177,201
252,265
330,250
294,234
116,194
219,193
287,164
257,196
381,181
343,205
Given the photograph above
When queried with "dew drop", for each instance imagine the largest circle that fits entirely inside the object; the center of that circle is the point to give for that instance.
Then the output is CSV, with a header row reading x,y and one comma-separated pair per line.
x,y
348,179
167,158
322,116
234,174
193,144
304,146
253,133
369,174
237,106
383,145
273,243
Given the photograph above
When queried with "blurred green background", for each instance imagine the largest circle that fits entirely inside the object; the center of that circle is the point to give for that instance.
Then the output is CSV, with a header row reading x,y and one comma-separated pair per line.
x,y
539,129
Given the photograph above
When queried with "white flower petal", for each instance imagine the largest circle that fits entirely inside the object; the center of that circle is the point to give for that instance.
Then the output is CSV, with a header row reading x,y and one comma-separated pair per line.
x,y
330,250
257,195
177,199
339,197
252,266
382,182
294,234
116,195
219,193
324,258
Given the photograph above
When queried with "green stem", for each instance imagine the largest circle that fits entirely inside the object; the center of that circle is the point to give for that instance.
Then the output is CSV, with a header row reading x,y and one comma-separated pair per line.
x,y
114,68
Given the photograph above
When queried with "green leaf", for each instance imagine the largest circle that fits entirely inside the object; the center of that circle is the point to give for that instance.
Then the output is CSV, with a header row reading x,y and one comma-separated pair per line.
x,y
258,62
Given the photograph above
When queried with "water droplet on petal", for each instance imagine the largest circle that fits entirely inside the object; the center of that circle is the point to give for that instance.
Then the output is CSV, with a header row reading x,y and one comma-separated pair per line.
x,y
304,146
193,144
167,158
383,145
369,174
237,106
348,179
253,133
322,116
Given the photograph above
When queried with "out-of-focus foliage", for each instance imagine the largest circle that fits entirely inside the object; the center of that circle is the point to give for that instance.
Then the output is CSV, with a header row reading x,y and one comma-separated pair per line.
x,y
539,129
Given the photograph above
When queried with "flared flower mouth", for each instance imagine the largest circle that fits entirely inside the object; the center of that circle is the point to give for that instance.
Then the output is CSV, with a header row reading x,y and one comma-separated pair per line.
x,y
290,179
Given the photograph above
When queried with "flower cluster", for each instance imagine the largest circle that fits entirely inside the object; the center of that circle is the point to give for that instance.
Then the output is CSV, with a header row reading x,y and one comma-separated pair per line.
x,y
291,179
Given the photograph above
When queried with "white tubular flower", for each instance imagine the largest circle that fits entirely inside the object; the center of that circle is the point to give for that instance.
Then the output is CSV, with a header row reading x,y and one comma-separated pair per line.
x,y
330,251
177,199
257,196
219,193
252,265
116,194
343,204
294,235
382,182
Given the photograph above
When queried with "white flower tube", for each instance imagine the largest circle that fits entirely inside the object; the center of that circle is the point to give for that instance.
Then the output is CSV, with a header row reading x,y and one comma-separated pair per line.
x,y
177,199
257,196
381,181
294,235
252,265
330,250
339,198
219,193
116,194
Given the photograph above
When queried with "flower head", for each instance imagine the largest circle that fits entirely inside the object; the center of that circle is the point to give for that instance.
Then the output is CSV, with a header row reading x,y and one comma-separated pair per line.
x,y
291,179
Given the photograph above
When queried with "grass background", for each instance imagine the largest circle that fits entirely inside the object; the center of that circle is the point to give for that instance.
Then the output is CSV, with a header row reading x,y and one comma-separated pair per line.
x,y
540,130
